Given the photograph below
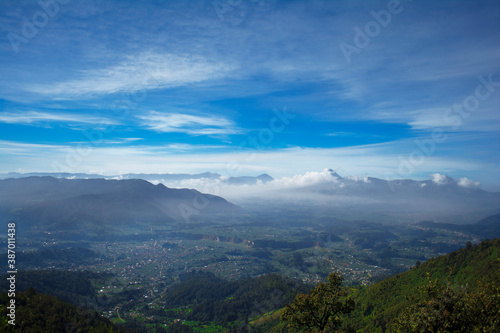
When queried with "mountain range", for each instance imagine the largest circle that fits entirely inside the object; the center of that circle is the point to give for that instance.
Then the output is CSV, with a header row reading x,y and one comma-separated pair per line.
x,y
152,177
441,198
65,206
94,197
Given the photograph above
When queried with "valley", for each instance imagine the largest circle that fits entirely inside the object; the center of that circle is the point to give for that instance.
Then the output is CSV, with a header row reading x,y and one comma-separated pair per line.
x,y
140,269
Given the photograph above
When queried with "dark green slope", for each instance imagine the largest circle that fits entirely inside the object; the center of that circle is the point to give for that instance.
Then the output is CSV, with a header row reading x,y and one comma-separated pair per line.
x,y
379,304
37,312
75,287
211,299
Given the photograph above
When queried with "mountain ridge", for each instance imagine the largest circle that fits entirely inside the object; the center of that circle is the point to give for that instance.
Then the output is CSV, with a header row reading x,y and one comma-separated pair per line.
x,y
156,177
72,205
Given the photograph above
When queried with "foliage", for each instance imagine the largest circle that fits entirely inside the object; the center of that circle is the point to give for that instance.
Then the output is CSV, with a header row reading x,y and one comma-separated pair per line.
x,y
381,303
74,287
37,312
322,310
196,287
212,299
60,258
439,309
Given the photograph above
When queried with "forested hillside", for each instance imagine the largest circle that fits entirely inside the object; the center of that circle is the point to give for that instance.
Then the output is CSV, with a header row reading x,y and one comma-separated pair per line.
x,y
37,312
202,297
458,292
378,305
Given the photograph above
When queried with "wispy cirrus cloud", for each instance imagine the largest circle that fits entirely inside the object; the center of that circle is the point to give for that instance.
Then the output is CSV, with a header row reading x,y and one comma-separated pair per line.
x,y
115,141
36,117
137,73
23,149
189,124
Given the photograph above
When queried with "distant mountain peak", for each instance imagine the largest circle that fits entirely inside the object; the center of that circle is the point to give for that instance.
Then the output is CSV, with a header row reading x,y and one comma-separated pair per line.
x,y
247,180
334,174
265,178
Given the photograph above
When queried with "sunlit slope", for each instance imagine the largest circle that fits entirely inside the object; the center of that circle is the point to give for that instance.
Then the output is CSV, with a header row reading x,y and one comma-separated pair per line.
x,y
378,304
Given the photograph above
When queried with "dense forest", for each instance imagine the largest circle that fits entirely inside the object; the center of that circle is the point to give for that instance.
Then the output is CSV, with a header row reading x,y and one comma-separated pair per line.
x,y
379,304
36,312
76,287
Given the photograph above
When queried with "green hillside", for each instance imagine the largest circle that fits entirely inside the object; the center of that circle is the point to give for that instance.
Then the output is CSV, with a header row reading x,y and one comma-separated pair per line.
x,y
468,272
202,297
37,312
379,304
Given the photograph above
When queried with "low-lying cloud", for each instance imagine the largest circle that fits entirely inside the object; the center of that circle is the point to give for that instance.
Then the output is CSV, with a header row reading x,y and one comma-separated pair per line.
x,y
279,186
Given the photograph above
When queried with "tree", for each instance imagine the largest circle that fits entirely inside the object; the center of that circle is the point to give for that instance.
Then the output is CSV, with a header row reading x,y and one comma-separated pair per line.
x,y
321,310
439,309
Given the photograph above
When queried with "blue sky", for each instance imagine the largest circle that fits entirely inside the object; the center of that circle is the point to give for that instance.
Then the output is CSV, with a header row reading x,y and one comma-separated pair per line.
x,y
380,88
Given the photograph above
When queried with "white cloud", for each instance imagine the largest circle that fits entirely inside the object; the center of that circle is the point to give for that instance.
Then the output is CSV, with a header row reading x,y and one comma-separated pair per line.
x,y
284,164
116,141
358,179
33,117
456,117
429,118
309,178
440,179
190,124
138,73
467,183
234,191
